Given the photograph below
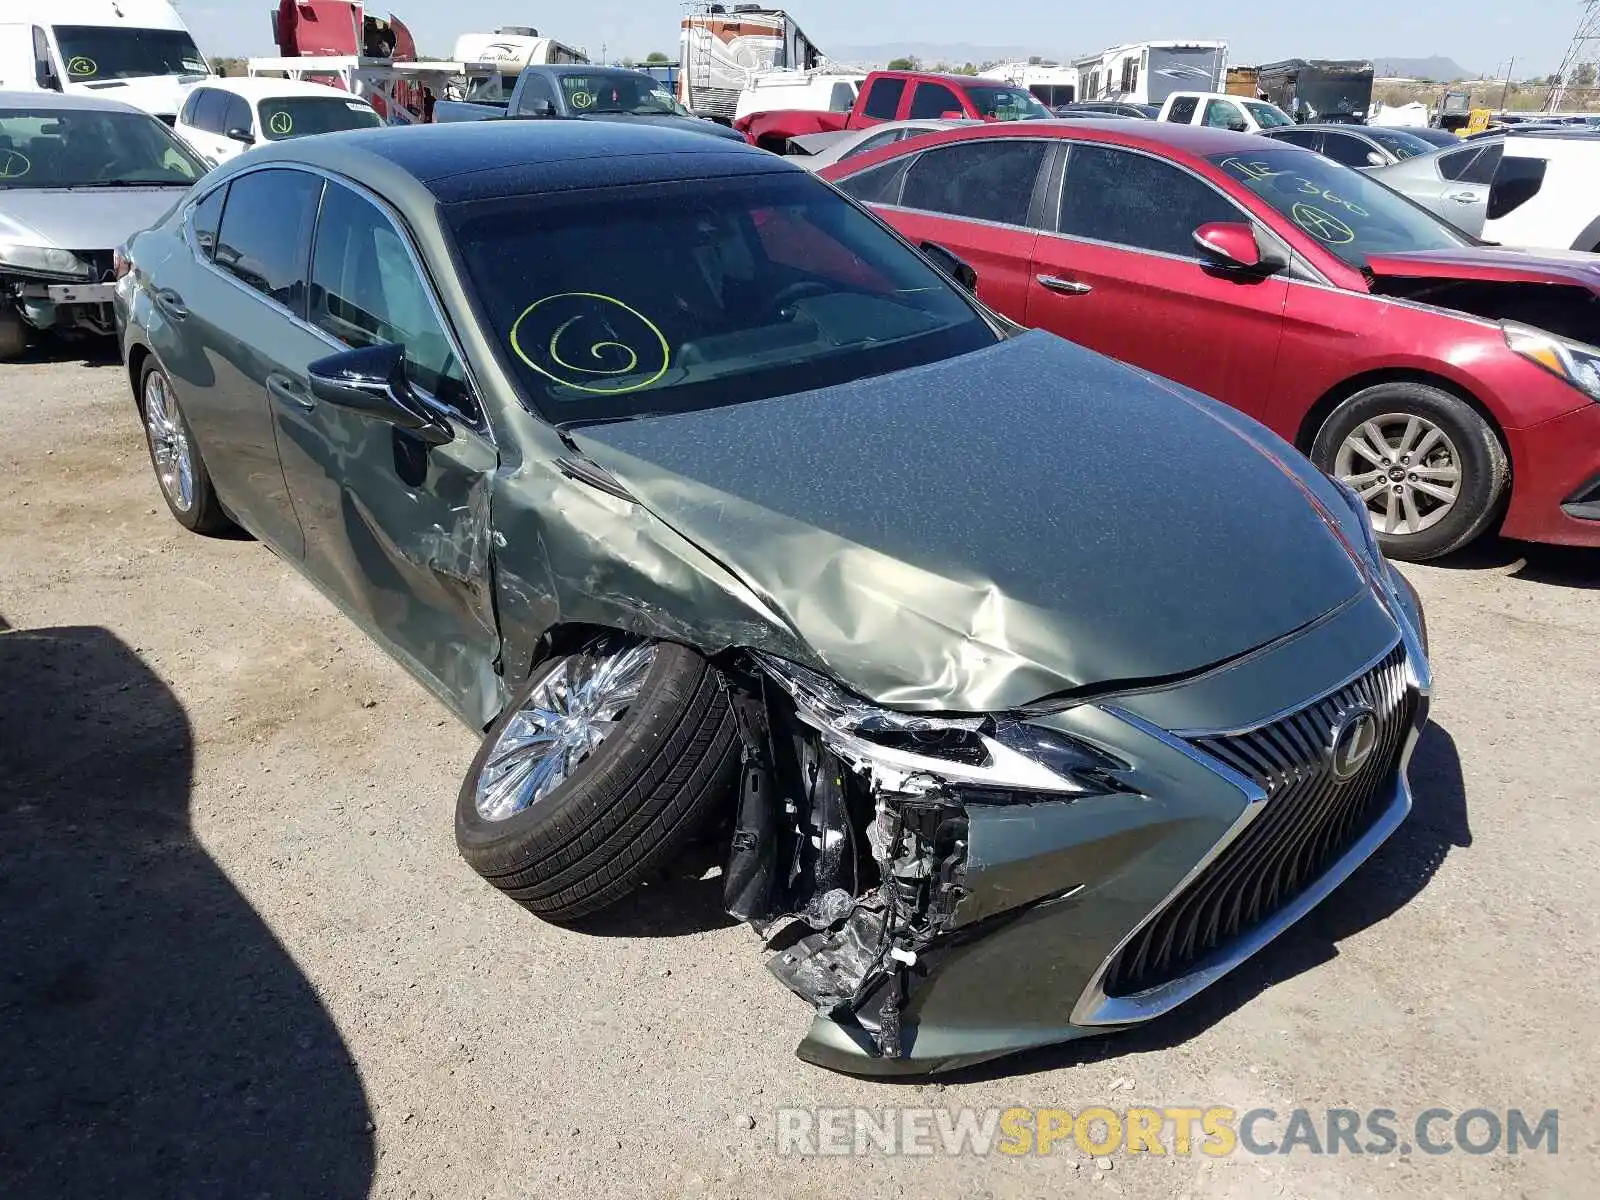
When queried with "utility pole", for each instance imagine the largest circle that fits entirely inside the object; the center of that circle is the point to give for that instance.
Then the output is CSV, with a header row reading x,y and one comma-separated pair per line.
x,y
1506,91
1586,36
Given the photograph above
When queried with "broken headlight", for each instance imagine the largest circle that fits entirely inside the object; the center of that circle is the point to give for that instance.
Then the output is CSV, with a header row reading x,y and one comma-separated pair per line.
x,y
911,752
46,260
1578,364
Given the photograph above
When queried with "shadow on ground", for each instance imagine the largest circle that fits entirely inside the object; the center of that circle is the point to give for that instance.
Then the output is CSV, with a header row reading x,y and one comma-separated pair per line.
x,y
1555,566
155,1039
86,351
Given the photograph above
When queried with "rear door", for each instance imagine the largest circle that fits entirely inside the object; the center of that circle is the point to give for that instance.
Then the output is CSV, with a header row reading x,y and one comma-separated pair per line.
x,y
1122,275
976,198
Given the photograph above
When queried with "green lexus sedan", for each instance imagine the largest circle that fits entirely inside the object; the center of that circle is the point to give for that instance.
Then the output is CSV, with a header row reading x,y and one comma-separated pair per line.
x,y
1025,693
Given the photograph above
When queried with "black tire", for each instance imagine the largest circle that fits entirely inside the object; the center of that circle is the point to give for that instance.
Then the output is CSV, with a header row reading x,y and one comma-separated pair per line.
x,y
204,513
626,809
1484,465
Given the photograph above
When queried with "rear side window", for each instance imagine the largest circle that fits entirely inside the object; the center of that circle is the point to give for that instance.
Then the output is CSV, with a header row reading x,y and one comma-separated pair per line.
x,y
1454,165
1311,139
206,219
1482,169
982,181
266,231
876,142
1182,110
883,101
1516,182
931,101
880,185
1135,201
1351,151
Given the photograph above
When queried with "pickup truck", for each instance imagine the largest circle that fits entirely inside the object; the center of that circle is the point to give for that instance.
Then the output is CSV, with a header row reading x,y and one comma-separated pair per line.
x,y
577,92
899,96
1222,111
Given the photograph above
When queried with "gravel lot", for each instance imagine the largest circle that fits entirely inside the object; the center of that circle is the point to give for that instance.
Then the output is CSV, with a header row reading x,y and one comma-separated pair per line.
x,y
239,954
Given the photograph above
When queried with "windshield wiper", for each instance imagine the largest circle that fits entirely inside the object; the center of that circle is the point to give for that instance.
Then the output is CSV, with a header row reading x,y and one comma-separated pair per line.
x,y
119,183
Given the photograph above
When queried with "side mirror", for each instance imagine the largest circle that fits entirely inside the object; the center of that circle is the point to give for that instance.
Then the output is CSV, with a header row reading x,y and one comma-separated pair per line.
x,y
954,114
542,108
952,265
372,381
1229,244
1374,159
242,136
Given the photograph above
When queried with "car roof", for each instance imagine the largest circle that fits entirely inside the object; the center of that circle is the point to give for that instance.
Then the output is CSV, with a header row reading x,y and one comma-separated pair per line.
x,y
1329,127
474,160
262,88
59,102
1195,140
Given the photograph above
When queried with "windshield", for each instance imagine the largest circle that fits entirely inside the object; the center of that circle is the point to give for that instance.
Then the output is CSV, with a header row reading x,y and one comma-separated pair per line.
x,y
1268,116
1351,214
300,116
617,94
52,148
1401,145
671,297
116,52
1006,104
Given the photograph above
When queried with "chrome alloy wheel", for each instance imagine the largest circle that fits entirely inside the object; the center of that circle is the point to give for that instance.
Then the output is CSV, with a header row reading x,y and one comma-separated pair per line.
x,y
560,723
1405,468
169,443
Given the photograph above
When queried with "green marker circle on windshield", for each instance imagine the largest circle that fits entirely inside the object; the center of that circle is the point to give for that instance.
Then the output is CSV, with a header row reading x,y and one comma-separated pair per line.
x,y
14,164
281,123
81,66
611,356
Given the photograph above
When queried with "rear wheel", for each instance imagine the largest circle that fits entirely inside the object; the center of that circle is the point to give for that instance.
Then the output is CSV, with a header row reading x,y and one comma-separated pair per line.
x,y
597,774
1431,470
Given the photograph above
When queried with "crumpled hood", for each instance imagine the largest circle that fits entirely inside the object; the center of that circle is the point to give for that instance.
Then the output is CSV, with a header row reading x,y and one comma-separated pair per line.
x,y
84,219
1494,264
980,533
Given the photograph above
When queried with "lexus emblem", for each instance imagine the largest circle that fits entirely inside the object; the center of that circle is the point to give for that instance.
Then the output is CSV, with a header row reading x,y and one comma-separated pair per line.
x,y
1355,737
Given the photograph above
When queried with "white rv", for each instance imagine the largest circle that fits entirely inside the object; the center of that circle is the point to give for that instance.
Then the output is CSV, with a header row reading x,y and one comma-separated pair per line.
x,y
137,51
1149,72
494,60
722,46
1052,85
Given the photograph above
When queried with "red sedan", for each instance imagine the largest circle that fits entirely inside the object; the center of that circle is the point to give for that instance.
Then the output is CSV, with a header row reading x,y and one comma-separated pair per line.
x,y
1454,385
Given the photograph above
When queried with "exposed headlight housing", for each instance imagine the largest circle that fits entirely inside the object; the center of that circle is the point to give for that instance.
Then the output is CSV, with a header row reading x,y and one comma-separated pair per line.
x,y
46,260
1575,362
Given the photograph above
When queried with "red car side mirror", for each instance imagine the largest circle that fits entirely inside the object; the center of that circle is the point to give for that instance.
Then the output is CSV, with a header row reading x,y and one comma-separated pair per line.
x,y
1229,244
954,114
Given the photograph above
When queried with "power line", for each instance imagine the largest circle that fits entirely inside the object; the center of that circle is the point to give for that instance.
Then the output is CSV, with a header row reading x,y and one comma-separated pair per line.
x,y
1578,53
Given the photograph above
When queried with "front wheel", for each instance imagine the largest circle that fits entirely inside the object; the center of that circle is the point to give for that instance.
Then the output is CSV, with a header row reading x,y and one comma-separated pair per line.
x,y
185,483
1432,472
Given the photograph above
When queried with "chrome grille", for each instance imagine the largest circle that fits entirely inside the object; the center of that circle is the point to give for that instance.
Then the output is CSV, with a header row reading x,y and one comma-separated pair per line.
x,y
1309,819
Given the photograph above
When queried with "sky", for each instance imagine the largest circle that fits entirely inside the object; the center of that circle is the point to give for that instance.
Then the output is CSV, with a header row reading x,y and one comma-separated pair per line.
x,y
1479,34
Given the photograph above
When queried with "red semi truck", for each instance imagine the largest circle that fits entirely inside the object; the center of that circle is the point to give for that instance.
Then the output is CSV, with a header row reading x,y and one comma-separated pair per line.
x,y
899,96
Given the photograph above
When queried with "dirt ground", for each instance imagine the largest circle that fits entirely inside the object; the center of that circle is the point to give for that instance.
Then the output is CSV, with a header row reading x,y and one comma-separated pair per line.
x,y
239,954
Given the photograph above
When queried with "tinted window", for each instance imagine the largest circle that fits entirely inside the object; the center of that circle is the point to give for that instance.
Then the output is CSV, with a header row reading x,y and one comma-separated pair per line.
x,y
186,113
686,295
880,185
883,101
931,101
205,219
237,116
1182,110
1517,181
209,110
1482,168
266,225
983,181
1132,200
842,97
365,291
1311,139
876,142
301,116
1351,151
1222,114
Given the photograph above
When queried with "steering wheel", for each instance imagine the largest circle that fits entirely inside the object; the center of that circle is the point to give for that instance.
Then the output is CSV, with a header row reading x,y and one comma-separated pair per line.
x,y
783,303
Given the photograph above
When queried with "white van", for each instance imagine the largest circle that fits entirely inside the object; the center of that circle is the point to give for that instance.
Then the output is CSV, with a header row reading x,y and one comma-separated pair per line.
x,y
1221,111
1543,195
138,52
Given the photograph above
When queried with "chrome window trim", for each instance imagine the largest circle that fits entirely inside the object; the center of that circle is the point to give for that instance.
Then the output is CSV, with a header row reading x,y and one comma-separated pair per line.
x,y
479,423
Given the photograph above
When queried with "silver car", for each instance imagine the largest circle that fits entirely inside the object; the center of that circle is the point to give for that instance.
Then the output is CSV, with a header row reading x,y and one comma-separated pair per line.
x,y
79,176
1360,146
818,150
1452,183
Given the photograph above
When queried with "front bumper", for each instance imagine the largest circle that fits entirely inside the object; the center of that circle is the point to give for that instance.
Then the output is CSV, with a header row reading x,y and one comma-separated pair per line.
x,y
1555,485
1062,894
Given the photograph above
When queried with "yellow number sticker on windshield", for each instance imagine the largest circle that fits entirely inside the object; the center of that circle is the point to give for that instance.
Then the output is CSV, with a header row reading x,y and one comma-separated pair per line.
x,y
1323,226
281,123
81,66
572,318
14,164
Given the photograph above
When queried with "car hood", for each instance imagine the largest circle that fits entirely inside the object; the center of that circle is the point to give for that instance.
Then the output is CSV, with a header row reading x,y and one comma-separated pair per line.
x,y
667,121
1009,525
159,95
83,219
1492,264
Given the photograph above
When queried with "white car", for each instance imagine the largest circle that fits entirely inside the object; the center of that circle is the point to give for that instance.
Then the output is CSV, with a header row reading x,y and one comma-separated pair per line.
x,y
808,91
1543,195
818,150
223,118
1222,111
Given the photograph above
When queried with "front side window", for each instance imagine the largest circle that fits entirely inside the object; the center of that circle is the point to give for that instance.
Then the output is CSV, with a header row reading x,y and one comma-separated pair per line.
x,y
94,52
210,108
300,116
266,225
1348,213
997,103
236,117
933,100
679,296
883,101
1133,200
81,147
1224,114
842,98
1268,116
982,181
365,291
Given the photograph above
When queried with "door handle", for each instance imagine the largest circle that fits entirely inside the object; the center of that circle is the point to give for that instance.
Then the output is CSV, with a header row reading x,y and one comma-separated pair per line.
x,y
172,303
1064,287
1464,197
291,391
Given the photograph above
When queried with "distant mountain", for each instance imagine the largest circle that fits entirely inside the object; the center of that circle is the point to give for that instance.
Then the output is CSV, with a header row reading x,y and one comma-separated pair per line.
x,y
1441,70
954,53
